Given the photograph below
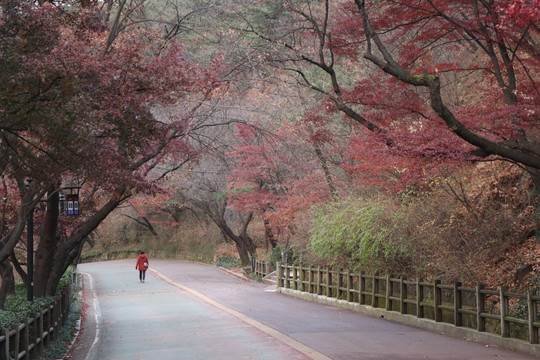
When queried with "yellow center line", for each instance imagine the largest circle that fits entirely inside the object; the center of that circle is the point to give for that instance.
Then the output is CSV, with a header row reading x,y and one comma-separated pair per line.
x,y
315,355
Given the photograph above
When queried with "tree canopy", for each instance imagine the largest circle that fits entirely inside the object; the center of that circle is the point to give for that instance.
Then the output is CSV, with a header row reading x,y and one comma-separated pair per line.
x,y
78,105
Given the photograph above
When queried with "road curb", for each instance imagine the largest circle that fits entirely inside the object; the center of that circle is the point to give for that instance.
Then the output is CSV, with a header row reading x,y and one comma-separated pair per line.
x,y
239,276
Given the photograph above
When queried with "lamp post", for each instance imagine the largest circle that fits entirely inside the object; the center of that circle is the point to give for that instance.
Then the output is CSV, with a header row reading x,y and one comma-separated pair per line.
x,y
72,209
29,249
30,257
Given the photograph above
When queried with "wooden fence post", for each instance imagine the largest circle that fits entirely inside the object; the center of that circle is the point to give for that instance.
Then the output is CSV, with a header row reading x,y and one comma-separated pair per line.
x,y
328,282
294,277
319,281
361,289
288,276
54,319
301,283
46,326
375,299
310,280
339,291
35,334
505,331
419,298
437,299
458,316
26,339
40,331
349,286
533,313
480,308
62,308
388,305
5,350
402,295
16,340
58,322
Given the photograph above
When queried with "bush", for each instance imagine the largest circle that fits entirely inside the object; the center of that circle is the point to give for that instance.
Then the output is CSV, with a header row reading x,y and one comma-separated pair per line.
x,y
362,233
228,262
65,280
275,256
16,307
255,277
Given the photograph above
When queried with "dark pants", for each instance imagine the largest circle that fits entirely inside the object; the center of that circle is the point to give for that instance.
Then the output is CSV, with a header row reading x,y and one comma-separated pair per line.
x,y
142,274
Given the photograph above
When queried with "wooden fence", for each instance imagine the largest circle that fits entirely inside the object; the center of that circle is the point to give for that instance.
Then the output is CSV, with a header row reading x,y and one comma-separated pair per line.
x,y
28,339
262,268
509,314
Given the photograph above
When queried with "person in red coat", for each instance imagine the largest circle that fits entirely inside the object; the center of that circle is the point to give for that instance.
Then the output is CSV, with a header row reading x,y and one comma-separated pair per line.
x,y
142,265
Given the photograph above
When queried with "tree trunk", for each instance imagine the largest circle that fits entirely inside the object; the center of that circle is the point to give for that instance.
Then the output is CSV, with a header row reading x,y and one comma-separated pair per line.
x,y
65,259
324,164
244,244
68,250
8,242
8,281
143,222
535,176
270,238
149,226
244,251
48,241
18,267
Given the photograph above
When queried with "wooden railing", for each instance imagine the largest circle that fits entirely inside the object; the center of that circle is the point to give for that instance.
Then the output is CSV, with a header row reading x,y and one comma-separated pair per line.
x,y
28,339
262,268
476,308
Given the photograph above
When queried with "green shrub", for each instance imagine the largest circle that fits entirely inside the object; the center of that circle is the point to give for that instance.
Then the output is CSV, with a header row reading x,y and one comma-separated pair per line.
x,y
347,230
360,233
16,307
227,262
255,277
66,279
275,256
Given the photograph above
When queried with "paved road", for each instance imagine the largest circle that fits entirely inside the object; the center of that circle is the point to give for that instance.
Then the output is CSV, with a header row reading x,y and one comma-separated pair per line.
x,y
195,311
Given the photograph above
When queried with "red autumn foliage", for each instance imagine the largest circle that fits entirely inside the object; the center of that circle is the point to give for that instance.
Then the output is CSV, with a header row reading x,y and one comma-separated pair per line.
x,y
278,177
435,82
75,105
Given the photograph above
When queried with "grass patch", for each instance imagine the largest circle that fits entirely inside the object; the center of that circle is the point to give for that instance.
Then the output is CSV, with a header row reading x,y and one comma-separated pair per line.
x,y
255,277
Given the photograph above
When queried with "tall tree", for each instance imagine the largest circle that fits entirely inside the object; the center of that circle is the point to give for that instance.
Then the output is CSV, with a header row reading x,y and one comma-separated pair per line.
x,y
75,105
280,176
431,81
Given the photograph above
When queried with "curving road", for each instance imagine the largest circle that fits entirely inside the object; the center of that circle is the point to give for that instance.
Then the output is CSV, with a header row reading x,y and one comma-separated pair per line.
x,y
195,311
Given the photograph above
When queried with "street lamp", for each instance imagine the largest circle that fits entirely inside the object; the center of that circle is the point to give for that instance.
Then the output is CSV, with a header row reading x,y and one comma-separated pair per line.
x,y
29,249
72,201
30,257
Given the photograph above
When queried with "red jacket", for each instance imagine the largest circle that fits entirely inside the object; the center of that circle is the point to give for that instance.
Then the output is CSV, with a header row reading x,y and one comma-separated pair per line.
x,y
142,262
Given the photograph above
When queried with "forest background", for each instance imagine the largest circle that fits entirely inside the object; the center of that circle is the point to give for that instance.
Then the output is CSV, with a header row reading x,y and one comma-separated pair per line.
x,y
398,136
